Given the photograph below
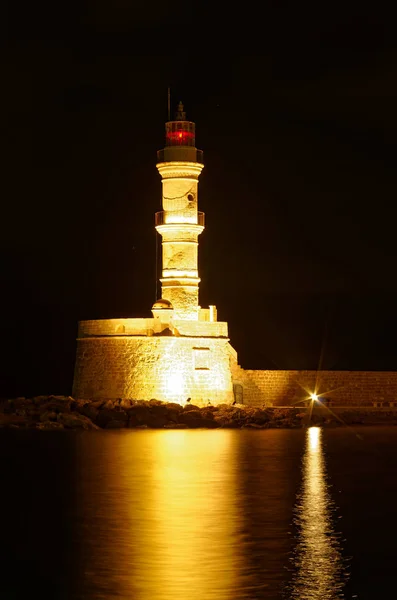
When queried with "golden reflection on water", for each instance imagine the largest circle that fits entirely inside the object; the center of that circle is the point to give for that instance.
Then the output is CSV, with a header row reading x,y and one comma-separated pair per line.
x,y
191,502
164,522
319,567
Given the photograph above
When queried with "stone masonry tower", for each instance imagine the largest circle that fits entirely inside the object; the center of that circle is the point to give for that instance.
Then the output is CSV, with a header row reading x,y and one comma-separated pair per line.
x,y
181,351
180,223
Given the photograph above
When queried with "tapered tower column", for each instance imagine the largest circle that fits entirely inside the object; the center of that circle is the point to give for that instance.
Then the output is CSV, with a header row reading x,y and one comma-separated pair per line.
x,y
180,223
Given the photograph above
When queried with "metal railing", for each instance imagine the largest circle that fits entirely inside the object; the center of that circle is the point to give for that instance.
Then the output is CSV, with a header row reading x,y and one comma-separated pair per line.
x,y
179,216
180,153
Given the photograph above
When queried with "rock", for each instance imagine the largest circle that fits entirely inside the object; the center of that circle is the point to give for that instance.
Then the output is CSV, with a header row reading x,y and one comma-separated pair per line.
x,y
206,414
105,415
173,411
20,403
126,403
157,421
226,421
175,426
77,405
189,414
273,425
158,410
75,421
282,413
252,426
189,407
174,406
260,417
133,422
109,404
48,416
224,406
97,403
8,407
140,412
89,411
33,412
40,400
49,425
193,419
207,423
56,405
211,408
8,420
114,424
230,417
230,425
22,412
173,415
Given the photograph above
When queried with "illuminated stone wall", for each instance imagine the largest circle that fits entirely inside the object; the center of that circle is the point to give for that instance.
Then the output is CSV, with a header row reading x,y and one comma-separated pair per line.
x,y
343,388
179,228
109,327
166,368
121,358
115,327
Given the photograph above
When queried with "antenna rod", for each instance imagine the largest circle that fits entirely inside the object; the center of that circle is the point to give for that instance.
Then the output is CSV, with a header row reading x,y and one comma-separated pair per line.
x,y
169,104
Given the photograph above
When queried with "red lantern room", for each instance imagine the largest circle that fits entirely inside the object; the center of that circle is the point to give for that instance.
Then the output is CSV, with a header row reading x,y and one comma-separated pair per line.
x,y
180,140
180,132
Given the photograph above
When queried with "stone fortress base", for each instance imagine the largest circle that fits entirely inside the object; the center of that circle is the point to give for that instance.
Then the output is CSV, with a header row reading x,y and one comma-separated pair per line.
x,y
143,359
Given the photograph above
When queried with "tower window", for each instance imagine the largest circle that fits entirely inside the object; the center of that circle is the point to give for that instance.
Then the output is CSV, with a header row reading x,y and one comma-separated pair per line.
x,y
201,359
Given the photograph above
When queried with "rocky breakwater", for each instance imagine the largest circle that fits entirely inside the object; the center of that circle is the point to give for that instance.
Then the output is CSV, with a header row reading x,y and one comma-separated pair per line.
x,y
62,412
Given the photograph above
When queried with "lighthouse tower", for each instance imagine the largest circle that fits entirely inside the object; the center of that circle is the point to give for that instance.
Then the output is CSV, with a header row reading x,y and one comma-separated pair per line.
x,y
181,351
180,223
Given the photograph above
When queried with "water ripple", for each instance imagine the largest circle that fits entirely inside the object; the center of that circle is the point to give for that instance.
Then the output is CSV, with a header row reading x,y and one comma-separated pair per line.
x,y
319,569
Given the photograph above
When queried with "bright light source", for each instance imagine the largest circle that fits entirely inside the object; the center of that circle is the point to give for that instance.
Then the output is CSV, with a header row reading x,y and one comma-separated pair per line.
x,y
314,437
314,397
175,384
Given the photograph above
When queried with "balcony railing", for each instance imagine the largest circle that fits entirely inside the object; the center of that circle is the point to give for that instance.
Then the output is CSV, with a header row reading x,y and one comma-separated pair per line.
x,y
180,153
168,217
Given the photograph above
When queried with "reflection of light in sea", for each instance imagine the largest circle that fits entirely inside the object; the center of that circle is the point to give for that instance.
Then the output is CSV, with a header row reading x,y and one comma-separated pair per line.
x,y
187,549
320,571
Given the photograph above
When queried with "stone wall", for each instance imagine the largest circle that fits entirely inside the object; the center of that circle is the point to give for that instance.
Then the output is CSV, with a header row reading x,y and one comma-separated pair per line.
x,y
112,364
107,327
101,327
202,328
342,388
161,367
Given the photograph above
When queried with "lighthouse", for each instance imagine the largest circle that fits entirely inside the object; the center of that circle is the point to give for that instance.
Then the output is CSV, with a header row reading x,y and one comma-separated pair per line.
x,y
181,351
180,222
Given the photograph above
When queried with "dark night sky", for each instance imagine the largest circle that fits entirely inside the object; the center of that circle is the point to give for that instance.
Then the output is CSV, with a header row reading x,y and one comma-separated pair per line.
x,y
299,187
